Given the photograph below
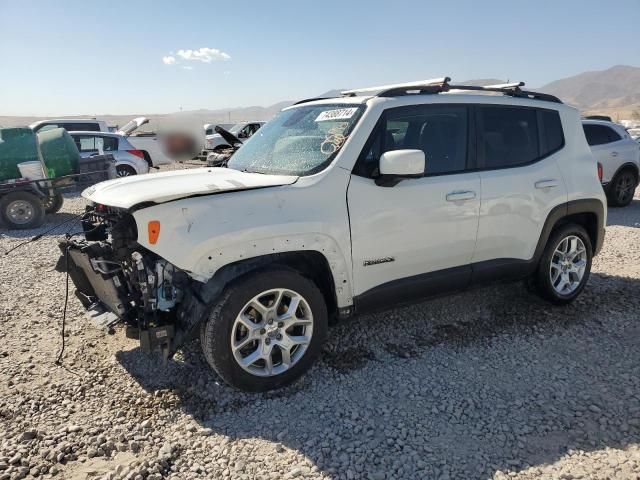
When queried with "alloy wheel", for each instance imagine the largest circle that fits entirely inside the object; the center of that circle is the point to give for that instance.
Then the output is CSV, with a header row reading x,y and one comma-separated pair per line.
x,y
123,172
568,265
624,188
272,332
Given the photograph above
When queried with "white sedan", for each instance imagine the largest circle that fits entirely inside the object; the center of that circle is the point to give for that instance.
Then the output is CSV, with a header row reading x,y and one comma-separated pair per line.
x,y
129,160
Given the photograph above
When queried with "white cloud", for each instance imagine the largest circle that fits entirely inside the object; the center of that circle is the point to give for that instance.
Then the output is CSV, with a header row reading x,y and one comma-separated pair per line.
x,y
204,54
169,60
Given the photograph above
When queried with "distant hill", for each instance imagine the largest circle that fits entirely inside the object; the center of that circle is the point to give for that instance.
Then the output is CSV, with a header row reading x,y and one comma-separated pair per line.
x,y
614,92
224,115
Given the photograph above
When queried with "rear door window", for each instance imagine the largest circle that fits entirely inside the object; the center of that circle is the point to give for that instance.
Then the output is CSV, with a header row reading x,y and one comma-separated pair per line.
x,y
599,134
93,144
508,136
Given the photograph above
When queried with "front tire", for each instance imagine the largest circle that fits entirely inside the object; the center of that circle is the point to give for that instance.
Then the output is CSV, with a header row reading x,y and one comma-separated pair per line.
x,y
254,340
565,264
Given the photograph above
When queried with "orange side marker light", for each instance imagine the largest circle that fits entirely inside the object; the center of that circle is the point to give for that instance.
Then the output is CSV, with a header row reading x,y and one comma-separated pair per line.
x,y
154,231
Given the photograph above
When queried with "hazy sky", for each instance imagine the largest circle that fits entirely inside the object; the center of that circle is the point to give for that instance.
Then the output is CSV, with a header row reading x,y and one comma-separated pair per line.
x,y
87,57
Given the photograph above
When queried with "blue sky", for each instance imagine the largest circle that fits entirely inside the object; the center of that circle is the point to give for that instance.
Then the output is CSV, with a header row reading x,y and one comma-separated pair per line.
x,y
84,57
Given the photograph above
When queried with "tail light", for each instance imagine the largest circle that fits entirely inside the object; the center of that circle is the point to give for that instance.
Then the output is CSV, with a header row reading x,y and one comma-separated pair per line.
x,y
137,153
600,171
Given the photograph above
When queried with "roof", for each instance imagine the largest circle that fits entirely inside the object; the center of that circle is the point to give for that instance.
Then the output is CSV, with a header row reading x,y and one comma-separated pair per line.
x,y
601,122
96,134
432,87
453,96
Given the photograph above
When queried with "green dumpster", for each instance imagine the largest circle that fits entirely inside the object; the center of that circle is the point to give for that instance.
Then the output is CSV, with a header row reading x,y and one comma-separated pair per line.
x,y
17,145
59,152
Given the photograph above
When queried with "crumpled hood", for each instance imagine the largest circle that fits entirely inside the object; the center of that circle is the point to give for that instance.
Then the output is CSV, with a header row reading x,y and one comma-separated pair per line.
x,y
163,187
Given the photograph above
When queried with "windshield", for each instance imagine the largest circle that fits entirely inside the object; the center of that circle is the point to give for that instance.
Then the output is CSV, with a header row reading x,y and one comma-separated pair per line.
x,y
298,141
236,128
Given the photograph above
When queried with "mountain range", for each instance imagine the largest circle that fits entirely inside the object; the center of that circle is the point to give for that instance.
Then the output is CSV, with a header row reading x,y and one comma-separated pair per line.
x,y
614,91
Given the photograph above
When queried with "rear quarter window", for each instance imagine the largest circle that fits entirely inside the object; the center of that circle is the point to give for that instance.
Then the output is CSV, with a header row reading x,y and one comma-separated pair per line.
x,y
552,136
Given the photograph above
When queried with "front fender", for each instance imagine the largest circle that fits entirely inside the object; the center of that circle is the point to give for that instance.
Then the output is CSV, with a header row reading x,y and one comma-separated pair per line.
x,y
203,234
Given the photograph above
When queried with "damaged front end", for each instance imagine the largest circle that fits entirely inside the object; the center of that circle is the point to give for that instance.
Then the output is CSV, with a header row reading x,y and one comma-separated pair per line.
x,y
118,280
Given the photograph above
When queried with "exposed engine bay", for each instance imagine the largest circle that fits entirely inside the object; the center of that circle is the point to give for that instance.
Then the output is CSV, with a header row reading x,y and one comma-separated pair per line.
x,y
118,280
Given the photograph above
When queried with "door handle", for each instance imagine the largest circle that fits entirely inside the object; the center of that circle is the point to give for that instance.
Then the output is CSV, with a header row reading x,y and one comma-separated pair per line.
x,y
458,196
543,184
614,154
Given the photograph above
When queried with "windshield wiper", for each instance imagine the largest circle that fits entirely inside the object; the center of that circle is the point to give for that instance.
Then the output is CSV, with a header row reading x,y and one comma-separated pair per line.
x,y
246,170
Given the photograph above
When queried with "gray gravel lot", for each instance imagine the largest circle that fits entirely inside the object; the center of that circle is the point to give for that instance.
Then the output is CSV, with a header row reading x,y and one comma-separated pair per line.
x,y
490,383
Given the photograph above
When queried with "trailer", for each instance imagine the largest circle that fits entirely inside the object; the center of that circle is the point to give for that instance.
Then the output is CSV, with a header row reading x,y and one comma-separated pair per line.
x,y
24,203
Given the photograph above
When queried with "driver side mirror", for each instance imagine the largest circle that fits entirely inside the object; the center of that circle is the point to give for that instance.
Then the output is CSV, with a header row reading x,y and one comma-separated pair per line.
x,y
397,165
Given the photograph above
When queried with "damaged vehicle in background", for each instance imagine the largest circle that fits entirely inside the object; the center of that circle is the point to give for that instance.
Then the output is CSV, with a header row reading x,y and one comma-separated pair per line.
x,y
342,206
218,143
221,156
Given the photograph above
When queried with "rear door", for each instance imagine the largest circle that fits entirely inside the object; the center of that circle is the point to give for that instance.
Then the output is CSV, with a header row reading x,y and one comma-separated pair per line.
x,y
417,237
518,149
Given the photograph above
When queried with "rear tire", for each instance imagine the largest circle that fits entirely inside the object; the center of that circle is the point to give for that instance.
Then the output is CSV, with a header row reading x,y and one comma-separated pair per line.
x,y
563,270
621,189
253,341
125,171
53,204
21,210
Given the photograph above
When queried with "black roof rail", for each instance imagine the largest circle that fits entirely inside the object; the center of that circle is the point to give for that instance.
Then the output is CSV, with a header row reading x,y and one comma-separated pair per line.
x,y
510,89
426,86
312,100
441,85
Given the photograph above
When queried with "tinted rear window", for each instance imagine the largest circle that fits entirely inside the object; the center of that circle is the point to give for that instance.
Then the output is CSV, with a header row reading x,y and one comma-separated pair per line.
x,y
552,135
599,134
508,136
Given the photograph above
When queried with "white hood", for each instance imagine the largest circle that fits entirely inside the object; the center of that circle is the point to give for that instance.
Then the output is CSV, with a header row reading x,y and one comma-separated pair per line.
x,y
163,187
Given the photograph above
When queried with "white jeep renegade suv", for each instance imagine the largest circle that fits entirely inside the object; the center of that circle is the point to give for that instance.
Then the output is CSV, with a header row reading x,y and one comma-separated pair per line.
x,y
341,206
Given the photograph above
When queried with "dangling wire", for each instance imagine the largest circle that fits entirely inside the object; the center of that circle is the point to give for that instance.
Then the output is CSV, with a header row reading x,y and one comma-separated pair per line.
x,y
66,300
40,235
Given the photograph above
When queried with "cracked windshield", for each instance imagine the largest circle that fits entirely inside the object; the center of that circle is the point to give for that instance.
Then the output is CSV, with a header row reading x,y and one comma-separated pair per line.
x,y
299,141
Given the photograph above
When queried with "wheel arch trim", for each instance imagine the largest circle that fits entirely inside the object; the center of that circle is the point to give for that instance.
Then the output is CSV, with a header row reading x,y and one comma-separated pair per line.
x,y
624,166
269,250
557,214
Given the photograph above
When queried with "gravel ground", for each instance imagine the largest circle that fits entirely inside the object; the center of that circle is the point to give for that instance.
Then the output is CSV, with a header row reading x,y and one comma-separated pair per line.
x,y
491,383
